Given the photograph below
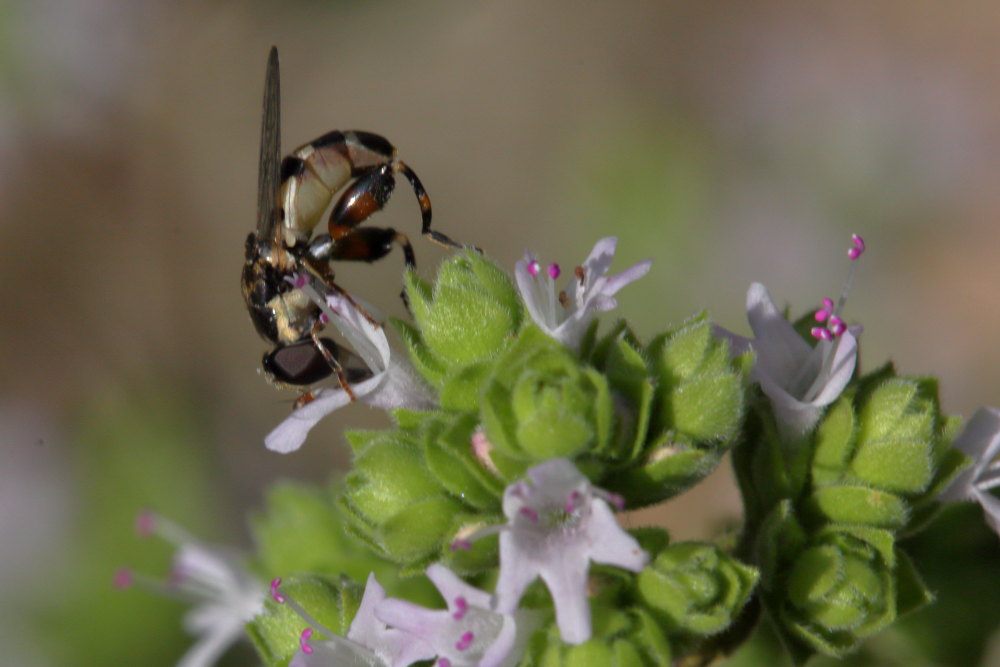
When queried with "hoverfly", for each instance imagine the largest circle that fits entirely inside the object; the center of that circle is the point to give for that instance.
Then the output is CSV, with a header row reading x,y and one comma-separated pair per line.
x,y
292,196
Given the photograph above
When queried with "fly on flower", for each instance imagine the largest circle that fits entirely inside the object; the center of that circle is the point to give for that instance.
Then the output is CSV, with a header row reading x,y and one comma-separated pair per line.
x,y
283,255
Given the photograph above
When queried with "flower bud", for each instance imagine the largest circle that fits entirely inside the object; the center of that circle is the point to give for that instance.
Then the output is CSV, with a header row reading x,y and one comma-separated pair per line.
x,y
831,588
542,403
839,589
470,315
701,391
394,502
696,588
621,638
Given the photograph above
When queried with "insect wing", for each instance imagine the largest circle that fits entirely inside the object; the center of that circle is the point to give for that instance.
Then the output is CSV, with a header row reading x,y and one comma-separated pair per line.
x,y
268,177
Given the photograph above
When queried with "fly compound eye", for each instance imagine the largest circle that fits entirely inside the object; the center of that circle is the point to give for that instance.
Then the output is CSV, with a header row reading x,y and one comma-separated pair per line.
x,y
300,364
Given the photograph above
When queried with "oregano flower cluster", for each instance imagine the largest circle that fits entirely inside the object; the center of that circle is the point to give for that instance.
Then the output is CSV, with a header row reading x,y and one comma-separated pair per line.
x,y
482,527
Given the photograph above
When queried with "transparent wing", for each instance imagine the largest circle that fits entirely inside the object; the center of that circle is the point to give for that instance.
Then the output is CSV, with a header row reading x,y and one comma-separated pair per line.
x,y
268,178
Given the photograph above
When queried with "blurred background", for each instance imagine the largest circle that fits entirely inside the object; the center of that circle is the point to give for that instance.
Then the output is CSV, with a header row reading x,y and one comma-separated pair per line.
x,y
729,141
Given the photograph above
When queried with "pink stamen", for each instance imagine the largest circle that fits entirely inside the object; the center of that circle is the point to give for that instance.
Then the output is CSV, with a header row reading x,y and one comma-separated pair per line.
x,y
554,271
324,318
463,608
821,315
145,523
530,513
838,328
123,578
444,662
464,545
465,641
533,268
820,333
304,641
275,595
859,247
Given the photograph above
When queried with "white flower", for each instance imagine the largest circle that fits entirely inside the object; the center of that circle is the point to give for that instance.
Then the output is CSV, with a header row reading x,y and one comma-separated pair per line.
x,y
798,378
369,642
980,441
565,316
467,632
393,384
558,523
224,594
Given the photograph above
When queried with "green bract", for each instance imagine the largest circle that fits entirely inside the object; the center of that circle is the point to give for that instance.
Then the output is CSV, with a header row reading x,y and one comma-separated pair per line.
x,y
331,601
469,316
696,411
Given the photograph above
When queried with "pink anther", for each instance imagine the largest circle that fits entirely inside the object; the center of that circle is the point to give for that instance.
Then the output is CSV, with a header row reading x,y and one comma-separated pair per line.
x,y
444,662
530,513
533,268
554,271
838,329
304,641
275,595
123,578
324,318
145,523
859,247
465,641
821,333
462,608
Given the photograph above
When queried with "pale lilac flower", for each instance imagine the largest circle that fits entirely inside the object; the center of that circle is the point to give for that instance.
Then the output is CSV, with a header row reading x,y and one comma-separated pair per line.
x,y
798,378
557,524
566,315
369,642
468,632
980,441
225,595
393,383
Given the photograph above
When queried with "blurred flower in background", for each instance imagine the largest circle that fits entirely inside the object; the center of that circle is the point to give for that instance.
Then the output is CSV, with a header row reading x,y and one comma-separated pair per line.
x,y
739,140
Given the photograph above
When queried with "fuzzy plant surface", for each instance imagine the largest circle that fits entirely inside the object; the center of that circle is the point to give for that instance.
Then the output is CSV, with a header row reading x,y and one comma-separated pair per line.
x,y
481,528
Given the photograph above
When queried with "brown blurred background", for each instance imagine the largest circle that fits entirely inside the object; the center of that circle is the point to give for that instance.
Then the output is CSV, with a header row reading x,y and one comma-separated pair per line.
x,y
730,141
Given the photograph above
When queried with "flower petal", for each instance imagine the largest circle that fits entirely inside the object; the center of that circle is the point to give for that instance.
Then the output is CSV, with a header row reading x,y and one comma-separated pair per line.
x,y
830,384
289,435
211,645
631,274
781,351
